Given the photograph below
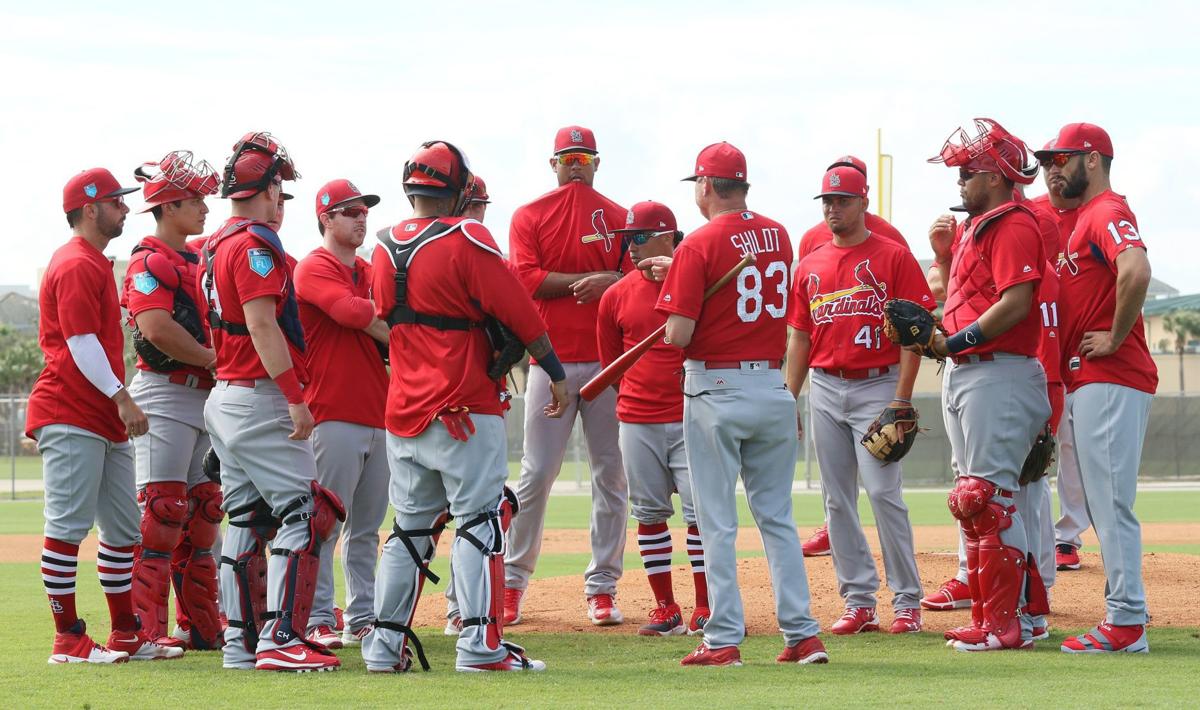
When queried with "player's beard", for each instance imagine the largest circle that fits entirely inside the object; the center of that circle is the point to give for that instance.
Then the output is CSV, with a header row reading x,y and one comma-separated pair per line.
x,y
1075,184
109,227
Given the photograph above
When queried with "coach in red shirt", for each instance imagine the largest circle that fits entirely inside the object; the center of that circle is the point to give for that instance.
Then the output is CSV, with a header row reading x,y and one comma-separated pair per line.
x,y
566,254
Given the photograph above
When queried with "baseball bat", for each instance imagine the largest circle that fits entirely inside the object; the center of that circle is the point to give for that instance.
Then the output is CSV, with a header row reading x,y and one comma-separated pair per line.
x,y
609,375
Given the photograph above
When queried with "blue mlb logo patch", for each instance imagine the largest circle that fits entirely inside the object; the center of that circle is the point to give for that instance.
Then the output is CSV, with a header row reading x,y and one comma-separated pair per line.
x,y
261,262
145,283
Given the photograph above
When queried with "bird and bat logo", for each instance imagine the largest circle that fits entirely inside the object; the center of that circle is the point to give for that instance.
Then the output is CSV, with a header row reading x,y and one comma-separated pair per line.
x,y
601,233
824,307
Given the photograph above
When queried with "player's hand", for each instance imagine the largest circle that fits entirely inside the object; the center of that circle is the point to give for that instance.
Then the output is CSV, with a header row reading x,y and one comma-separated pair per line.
x,y
657,266
558,400
1097,343
941,235
799,425
302,421
591,288
211,362
132,416
937,346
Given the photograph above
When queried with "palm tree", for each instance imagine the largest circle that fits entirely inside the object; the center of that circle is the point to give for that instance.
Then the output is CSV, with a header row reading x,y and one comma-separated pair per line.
x,y
1185,325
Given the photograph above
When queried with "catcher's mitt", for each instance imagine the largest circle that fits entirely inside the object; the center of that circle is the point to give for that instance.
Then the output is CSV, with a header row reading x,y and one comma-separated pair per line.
x,y
909,323
211,465
507,349
892,433
1037,463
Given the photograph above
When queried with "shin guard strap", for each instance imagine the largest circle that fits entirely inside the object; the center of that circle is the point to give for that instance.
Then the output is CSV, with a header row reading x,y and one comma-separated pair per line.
x,y
408,636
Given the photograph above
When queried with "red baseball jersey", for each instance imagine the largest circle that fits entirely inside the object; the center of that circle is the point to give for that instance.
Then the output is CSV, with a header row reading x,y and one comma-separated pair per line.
x,y
747,319
459,274
245,268
838,296
999,250
1064,219
335,306
1049,350
1088,270
650,391
819,235
142,291
568,230
78,296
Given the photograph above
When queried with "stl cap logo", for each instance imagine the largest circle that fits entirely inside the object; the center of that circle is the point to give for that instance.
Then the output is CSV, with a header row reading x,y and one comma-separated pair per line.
x,y
576,136
629,217
1087,144
662,223
90,189
835,180
325,199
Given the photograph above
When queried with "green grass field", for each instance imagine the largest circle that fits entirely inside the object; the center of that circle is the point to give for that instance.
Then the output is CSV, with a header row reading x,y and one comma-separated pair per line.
x,y
607,670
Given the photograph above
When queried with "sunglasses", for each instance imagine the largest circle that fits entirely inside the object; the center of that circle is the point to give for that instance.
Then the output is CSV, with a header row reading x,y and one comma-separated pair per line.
x,y
576,159
640,238
351,212
965,175
1060,159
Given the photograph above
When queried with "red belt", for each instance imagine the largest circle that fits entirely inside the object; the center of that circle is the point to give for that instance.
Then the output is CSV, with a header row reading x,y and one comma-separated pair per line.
x,y
968,359
855,374
737,364
241,383
190,380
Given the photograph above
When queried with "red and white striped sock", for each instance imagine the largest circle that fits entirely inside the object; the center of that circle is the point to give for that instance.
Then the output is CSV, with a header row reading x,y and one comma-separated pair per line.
x,y
114,567
654,543
59,560
695,550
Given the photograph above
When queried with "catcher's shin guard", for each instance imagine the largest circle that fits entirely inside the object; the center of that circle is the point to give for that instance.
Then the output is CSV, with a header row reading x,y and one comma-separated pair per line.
x,y
250,570
1001,569
421,558
195,574
300,575
495,523
165,510
1037,601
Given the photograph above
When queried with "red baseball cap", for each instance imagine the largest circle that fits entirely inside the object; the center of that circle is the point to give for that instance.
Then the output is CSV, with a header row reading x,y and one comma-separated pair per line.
x,y
846,181
338,192
849,161
575,139
720,160
477,194
649,216
90,186
1079,138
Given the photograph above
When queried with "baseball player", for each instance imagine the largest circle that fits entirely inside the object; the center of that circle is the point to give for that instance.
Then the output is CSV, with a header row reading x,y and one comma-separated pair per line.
x,y
260,424
566,256
737,415
437,280
181,507
994,392
836,314
333,288
82,416
1109,373
817,236
1073,515
650,410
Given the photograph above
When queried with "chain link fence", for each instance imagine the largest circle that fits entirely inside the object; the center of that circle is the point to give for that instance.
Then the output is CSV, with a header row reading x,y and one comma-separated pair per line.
x,y
1171,450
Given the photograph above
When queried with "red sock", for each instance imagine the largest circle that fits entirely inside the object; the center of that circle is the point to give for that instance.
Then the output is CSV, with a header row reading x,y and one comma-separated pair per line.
x,y
695,550
654,542
114,567
59,560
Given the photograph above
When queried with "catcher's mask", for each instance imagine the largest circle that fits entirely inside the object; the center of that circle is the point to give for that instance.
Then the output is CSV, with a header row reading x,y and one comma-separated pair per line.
x,y
992,150
256,161
440,170
176,177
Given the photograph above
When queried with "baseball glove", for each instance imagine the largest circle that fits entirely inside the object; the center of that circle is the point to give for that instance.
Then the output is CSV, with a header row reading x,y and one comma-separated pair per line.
x,y
1037,463
507,349
211,465
909,323
892,433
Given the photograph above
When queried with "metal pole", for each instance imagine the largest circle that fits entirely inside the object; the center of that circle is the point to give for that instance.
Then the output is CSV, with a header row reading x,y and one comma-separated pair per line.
x,y
807,448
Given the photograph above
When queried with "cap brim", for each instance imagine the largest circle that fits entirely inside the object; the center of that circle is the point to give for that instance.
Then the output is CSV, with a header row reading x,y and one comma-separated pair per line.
x,y
1040,154
287,196
831,194
120,191
589,151
958,208
691,178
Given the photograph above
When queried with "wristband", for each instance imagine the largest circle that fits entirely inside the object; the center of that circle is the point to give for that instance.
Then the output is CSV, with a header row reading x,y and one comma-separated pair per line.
x,y
290,386
968,337
553,366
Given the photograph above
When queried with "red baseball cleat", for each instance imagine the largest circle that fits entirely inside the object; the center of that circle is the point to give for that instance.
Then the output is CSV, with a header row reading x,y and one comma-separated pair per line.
x,y
907,621
705,656
817,544
325,636
665,620
809,650
699,619
602,611
297,658
515,661
512,606
1066,557
1107,638
75,646
856,620
140,647
339,620
951,595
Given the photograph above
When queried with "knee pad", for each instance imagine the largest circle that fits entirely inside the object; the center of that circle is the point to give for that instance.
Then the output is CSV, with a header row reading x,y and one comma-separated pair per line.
x,y
206,514
166,509
250,568
421,557
969,496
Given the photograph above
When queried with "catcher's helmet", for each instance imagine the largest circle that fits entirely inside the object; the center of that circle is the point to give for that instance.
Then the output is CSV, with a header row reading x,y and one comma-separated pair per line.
x,y
257,159
175,177
439,170
992,150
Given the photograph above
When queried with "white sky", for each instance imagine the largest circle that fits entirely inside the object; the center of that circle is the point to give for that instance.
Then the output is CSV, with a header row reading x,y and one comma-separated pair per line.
x,y
353,88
